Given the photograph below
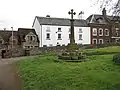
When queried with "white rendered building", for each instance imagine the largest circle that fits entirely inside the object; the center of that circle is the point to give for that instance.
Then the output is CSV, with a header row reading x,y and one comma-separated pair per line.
x,y
56,31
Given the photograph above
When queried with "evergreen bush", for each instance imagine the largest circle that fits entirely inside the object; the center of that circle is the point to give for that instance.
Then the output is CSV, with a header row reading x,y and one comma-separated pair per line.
x,y
116,58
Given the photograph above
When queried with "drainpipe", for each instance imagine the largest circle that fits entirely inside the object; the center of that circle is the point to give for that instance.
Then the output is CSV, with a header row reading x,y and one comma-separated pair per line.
x,y
41,35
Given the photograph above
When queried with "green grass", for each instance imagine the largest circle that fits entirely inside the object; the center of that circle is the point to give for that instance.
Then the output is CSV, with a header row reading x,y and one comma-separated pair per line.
x,y
102,51
42,73
106,49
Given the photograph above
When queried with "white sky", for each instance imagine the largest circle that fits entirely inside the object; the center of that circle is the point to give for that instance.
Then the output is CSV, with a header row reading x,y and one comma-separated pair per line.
x,y
21,13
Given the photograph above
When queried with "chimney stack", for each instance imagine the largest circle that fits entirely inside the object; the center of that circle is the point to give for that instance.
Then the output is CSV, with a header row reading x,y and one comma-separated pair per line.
x,y
4,29
104,12
47,15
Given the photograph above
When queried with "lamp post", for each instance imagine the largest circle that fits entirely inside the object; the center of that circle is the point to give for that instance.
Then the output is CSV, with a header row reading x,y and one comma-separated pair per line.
x,y
12,41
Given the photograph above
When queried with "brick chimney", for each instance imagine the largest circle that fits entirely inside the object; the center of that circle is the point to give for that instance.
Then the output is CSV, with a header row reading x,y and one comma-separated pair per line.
x,y
104,12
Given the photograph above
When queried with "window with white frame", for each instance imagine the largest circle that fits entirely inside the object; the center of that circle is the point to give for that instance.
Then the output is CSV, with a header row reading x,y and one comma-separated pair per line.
x,y
80,36
100,41
117,31
59,36
80,30
48,36
33,38
48,29
116,40
69,30
100,32
0,41
69,36
59,30
94,41
107,41
106,32
94,31
30,38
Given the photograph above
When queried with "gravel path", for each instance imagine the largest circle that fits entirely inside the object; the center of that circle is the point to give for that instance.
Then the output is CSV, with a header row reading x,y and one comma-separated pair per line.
x,y
9,76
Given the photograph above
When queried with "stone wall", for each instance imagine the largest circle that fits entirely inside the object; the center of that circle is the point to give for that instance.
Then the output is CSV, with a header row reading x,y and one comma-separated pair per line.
x,y
19,51
0,54
35,51
16,52
41,50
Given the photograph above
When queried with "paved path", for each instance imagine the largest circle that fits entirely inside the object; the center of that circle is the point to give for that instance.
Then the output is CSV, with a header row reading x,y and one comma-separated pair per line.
x,y
9,76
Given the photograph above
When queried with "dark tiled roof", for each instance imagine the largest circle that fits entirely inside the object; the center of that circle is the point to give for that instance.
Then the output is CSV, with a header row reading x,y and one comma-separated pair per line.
x,y
114,18
7,34
20,34
97,19
60,21
24,31
100,19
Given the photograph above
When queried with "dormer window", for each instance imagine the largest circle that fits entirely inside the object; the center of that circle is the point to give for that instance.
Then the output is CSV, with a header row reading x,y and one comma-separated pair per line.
x,y
99,20
59,30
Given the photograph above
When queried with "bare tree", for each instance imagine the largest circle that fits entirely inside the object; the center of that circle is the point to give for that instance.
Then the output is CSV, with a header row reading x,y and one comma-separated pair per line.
x,y
113,6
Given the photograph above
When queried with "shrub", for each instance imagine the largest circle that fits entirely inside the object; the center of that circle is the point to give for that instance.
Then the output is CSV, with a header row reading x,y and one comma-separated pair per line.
x,y
99,53
116,58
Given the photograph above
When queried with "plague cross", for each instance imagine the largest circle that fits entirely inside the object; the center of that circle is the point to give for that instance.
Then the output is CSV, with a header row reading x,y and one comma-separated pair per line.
x,y
72,13
72,40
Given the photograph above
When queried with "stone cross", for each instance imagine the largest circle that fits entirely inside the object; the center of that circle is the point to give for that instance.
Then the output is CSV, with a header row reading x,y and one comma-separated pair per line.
x,y
72,40
72,13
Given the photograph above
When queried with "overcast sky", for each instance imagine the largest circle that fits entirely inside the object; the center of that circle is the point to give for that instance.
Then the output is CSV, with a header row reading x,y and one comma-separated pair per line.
x,y
21,13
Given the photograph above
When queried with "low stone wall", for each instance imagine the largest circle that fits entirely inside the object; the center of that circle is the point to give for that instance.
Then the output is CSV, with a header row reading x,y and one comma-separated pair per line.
x,y
0,54
16,52
52,49
19,51
35,51
41,50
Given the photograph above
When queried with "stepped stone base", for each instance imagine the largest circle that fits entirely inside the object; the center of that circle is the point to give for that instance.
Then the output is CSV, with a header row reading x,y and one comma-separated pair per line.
x,y
73,56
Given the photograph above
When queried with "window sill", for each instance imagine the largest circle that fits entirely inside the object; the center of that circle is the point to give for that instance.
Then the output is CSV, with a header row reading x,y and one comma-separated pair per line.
x,y
106,35
94,35
100,35
48,39
59,31
59,39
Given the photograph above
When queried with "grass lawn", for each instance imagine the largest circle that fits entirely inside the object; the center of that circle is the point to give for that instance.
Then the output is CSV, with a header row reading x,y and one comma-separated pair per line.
x,y
106,49
42,73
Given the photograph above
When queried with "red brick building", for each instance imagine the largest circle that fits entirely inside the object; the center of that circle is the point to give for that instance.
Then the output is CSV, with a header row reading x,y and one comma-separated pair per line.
x,y
104,28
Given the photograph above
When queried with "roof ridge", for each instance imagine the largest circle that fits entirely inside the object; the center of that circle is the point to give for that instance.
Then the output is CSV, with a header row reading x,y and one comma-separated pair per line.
x,y
59,18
